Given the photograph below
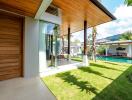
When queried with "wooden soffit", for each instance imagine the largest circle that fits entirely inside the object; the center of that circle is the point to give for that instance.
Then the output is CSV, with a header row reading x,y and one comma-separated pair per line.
x,y
74,12
22,7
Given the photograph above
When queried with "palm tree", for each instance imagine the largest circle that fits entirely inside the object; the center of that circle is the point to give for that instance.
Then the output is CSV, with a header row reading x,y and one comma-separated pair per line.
x,y
94,34
63,44
89,47
126,36
128,2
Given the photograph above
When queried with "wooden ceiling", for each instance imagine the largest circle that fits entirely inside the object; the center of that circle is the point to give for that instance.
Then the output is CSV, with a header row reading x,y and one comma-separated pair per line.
x,y
74,12
22,7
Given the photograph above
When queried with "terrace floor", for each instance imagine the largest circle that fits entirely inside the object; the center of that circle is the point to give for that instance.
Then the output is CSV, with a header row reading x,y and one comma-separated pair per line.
x,y
24,89
63,65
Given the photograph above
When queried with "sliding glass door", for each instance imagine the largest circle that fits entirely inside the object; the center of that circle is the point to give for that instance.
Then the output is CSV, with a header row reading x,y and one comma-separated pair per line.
x,y
48,43
49,49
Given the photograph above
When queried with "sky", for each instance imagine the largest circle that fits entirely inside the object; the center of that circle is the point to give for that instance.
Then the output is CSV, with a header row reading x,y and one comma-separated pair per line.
x,y
119,26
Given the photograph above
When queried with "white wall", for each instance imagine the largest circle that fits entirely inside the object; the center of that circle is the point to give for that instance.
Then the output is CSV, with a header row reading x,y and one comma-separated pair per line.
x,y
112,48
34,57
31,48
52,18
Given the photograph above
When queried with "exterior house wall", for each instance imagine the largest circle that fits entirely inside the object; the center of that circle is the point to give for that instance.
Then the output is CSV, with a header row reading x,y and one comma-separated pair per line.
x,y
112,49
75,50
31,51
34,45
52,18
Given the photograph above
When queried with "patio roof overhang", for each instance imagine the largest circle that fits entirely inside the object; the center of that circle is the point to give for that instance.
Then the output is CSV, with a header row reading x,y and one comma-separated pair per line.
x,y
21,7
75,12
116,42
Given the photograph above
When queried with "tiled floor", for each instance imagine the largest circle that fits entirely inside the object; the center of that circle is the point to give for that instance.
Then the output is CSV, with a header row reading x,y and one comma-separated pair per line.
x,y
24,89
63,66
62,62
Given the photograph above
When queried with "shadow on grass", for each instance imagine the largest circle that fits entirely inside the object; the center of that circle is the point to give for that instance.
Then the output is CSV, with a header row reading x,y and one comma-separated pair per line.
x,y
89,70
102,66
77,59
111,63
73,80
119,89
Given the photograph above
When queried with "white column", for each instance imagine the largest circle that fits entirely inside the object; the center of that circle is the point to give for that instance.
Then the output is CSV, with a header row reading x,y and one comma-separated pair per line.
x,y
106,51
129,51
85,60
31,51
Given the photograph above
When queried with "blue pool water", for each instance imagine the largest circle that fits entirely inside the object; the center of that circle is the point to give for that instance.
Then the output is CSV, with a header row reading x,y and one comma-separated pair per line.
x,y
115,59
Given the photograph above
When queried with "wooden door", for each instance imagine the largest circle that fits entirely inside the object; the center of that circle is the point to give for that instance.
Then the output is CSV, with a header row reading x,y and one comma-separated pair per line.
x,y
10,46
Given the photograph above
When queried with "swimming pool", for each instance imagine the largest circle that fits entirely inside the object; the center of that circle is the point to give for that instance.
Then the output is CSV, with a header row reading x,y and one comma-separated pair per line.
x,y
115,59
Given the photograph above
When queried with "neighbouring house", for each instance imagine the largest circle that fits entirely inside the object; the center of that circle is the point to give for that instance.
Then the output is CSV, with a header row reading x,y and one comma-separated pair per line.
x,y
116,47
119,48
75,48
30,30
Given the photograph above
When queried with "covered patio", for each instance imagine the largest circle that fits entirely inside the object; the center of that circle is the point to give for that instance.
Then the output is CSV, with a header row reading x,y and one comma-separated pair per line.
x,y
73,18
23,26
81,15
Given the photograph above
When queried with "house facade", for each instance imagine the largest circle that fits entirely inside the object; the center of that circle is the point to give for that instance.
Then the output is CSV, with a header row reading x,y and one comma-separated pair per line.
x,y
119,48
116,47
29,31
75,48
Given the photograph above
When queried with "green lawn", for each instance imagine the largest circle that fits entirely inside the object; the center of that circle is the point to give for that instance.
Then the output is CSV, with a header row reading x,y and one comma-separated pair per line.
x,y
100,81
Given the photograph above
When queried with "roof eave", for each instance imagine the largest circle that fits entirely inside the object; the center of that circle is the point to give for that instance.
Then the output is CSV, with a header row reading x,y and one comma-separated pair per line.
x,y
100,6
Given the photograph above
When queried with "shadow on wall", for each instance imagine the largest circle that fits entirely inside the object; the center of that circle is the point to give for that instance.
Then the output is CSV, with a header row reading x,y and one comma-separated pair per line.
x,y
119,89
73,80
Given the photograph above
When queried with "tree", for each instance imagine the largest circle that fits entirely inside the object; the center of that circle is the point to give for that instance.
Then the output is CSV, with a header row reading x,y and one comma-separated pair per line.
x,y
101,49
126,36
94,34
63,44
128,2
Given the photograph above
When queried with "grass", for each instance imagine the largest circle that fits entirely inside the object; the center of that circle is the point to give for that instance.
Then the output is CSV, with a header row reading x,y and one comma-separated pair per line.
x,y
101,81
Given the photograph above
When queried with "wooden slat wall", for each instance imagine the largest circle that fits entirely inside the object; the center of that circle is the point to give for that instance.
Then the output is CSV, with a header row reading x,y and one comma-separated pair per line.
x,y
10,47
